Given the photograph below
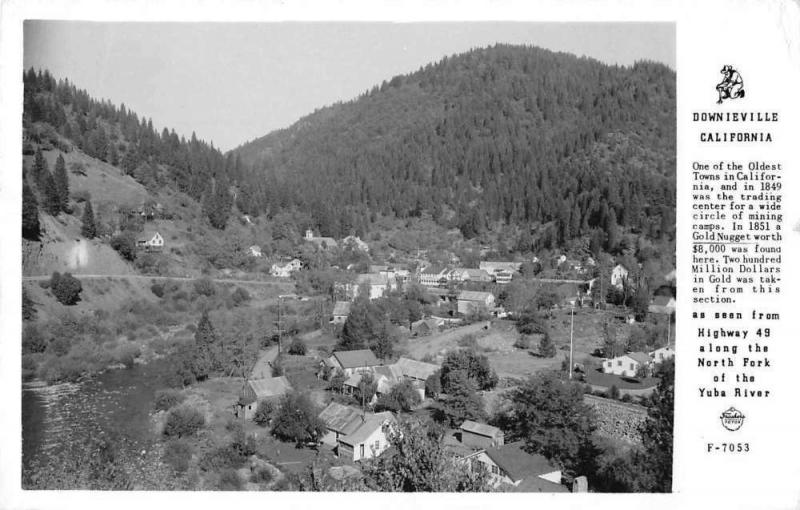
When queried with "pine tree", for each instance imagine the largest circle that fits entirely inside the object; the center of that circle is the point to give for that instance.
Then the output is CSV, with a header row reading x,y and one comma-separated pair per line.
x,y
40,169
205,340
52,199
30,213
62,183
88,228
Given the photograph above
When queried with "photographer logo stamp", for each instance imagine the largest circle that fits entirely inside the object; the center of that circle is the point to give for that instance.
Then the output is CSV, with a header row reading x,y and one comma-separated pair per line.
x,y
732,419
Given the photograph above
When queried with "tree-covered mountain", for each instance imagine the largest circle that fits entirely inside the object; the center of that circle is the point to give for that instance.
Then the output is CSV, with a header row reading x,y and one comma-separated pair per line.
x,y
568,146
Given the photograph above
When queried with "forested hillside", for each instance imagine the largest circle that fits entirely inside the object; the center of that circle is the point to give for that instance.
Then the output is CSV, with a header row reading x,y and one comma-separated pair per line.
x,y
516,134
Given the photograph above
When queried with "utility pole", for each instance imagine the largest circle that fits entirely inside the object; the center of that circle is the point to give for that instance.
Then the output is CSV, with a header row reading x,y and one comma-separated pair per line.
x,y
571,330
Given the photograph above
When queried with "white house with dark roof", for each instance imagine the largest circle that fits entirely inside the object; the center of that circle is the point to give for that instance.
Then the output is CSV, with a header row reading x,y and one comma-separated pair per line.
x,y
511,465
354,434
626,365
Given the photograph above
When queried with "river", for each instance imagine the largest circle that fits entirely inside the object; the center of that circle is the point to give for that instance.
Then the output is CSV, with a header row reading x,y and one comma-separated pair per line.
x,y
118,401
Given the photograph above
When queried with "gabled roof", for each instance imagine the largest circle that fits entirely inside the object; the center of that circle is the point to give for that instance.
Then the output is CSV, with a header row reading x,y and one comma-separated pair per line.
x,y
537,484
265,388
481,429
416,369
474,295
341,308
519,464
341,418
355,359
433,270
371,423
641,357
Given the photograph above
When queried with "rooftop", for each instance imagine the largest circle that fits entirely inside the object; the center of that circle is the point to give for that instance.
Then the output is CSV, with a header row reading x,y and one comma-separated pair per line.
x,y
481,429
355,359
416,369
341,418
474,295
519,464
341,308
367,427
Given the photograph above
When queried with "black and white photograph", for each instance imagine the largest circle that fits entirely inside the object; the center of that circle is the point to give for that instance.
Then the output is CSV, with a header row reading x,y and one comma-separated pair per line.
x,y
349,256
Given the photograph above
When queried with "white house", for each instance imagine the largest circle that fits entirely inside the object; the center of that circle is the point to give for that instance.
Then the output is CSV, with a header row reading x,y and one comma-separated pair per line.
x,y
618,276
377,283
470,301
356,435
662,354
286,270
255,251
626,365
510,465
433,276
494,266
152,241
321,242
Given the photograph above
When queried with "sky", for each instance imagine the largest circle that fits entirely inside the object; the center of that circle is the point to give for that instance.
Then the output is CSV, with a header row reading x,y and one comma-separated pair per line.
x,y
233,82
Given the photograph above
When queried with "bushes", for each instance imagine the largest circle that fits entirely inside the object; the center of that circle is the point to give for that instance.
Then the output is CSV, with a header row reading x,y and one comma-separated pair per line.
x,y
167,399
240,296
547,348
125,245
177,455
66,288
157,289
263,412
523,342
204,287
183,421
229,481
261,475
297,347
126,353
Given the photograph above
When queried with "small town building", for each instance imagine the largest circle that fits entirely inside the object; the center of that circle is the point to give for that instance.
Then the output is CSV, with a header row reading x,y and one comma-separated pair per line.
x,y
415,370
425,327
619,275
493,267
470,301
350,362
377,284
341,310
255,251
321,242
626,365
255,391
433,276
662,354
512,466
354,434
150,241
286,270
481,435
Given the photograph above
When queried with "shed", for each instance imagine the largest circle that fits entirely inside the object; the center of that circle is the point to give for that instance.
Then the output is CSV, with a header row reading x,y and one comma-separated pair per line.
x,y
481,435
256,390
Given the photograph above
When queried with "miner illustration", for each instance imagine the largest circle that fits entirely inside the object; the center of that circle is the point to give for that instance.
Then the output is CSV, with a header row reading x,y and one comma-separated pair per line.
x,y
731,86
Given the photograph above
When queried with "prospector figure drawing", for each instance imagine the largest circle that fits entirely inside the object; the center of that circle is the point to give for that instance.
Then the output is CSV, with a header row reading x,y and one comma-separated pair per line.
x,y
731,86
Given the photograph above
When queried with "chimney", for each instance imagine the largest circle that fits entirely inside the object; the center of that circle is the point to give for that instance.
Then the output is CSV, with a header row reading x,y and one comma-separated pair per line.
x,y
580,484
